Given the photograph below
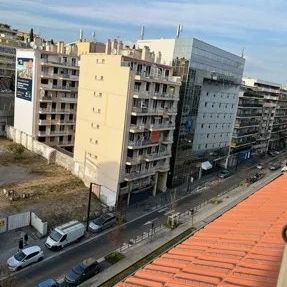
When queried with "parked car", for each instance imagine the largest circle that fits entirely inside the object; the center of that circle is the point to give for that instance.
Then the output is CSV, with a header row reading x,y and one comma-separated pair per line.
x,y
65,234
25,257
272,153
274,166
259,166
49,283
103,222
83,271
224,173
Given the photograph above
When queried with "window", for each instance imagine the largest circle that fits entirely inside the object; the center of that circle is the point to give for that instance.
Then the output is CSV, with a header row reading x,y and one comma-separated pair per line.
x,y
63,106
205,145
71,117
207,135
54,105
69,137
205,104
207,93
44,81
53,116
202,126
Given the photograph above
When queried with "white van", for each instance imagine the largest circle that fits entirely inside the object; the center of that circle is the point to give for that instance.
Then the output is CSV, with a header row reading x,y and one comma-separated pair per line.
x,y
65,234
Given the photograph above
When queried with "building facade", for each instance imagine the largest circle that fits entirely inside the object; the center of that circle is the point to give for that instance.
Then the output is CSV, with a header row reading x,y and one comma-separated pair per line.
x,y
261,119
207,105
9,41
46,93
125,121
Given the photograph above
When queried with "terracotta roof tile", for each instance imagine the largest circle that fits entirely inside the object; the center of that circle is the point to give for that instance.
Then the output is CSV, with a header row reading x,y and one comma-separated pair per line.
x,y
242,248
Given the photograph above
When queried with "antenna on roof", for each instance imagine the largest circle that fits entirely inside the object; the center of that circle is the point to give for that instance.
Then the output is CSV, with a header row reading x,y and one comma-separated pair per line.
x,y
142,33
94,36
81,34
179,30
242,52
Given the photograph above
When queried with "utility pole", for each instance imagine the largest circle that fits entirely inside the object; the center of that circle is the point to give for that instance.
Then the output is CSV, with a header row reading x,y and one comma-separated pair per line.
x,y
89,206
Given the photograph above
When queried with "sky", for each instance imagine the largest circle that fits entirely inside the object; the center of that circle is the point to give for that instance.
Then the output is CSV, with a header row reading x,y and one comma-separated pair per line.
x,y
257,26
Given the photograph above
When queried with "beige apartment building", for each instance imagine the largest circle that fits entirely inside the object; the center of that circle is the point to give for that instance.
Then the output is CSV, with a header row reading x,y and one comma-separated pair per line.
x,y
125,121
46,93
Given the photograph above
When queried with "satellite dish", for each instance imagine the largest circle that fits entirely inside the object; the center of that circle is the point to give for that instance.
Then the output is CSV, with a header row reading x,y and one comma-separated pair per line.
x,y
114,51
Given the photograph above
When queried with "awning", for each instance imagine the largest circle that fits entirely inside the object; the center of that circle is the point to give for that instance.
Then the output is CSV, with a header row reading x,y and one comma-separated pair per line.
x,y
206,165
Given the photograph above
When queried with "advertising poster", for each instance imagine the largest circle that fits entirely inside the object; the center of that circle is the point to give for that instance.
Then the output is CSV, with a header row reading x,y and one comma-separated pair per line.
x,y
24,78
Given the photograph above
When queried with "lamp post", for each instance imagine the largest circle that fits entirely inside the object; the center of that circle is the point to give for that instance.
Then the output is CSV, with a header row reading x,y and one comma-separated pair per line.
x,y
89,205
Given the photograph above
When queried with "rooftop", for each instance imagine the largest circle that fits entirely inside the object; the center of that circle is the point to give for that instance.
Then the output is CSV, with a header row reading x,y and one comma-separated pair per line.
x,y
242,248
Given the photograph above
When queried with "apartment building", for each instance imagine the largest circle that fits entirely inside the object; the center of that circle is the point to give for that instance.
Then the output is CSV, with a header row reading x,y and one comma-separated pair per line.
x,y
207,106
8,43
46,93
125,120
261,120
247,124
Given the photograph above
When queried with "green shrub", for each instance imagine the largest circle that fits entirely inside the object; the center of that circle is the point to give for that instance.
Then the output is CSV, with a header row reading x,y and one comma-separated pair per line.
x,y
16,149
114,257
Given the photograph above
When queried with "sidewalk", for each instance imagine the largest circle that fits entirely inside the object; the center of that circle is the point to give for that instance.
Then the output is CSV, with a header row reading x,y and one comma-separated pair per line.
x,y
204,216
163,199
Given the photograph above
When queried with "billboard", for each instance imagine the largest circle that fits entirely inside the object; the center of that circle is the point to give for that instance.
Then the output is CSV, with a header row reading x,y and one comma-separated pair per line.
x,y
24,71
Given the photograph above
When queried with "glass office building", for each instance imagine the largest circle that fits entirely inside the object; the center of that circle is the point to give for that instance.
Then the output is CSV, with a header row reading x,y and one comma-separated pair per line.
x,y
211,78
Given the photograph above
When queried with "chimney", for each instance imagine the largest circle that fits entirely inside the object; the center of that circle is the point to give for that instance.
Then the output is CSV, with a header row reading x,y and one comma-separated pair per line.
x,y
60,47
158,57
114,45
145,53
120,46
108,47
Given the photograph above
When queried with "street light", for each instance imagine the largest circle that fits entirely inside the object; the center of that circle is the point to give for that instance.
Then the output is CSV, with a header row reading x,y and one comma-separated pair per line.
x,y
89,205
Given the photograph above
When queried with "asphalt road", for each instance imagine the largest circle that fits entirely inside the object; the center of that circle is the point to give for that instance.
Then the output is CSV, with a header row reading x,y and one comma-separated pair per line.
x,y
104,243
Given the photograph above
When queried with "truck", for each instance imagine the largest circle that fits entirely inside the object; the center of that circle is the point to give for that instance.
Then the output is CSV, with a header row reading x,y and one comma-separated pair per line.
x,y
65,234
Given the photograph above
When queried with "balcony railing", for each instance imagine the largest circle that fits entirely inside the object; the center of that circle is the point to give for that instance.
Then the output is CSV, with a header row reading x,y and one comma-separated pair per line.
x,y
138,128
157,156
133,175
134,160
141,144
59,63
161,78
164,126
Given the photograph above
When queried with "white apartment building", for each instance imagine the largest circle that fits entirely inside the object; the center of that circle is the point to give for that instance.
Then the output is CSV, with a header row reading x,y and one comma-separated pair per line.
x,y
46,93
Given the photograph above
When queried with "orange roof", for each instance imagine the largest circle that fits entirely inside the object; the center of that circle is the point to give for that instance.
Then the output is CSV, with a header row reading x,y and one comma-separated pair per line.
x,y
242,248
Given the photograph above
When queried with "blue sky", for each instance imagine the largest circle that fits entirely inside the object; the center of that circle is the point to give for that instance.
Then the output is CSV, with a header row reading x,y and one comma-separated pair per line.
x,y
257,25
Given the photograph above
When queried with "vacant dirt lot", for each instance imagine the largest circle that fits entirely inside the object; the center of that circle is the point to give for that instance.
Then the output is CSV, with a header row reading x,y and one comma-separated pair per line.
x,y
50,191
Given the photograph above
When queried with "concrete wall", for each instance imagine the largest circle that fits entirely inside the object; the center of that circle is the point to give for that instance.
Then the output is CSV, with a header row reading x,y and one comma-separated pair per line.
x,y
31,144
38,224
24,109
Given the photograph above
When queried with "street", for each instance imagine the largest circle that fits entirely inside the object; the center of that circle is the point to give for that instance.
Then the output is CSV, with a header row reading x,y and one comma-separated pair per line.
x,y
100,246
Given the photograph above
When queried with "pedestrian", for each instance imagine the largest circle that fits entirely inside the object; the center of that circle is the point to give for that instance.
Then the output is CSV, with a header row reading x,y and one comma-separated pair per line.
x,y
25,239
20,244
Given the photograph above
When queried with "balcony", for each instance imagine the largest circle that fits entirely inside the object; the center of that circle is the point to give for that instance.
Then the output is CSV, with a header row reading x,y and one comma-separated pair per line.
x,y
161,127
56,111
244,134
58,88
138,128
55,133
56,122
141,144
157,156
134,160
139,94
269,105
59,76
164,168
242,125
144,111
165,96
46,62
167,140
158,78
134,175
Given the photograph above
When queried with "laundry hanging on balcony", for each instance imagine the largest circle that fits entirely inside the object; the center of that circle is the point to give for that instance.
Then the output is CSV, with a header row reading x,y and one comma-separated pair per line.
x,y
206,165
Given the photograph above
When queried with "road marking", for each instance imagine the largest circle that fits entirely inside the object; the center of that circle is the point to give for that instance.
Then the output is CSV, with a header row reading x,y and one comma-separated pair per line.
x,y
169,212
162,210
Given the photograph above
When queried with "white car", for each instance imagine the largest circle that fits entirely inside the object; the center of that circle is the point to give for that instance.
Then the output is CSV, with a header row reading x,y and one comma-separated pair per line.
x,y
25,257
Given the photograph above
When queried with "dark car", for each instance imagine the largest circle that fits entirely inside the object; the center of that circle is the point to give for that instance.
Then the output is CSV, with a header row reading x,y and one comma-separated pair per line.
x,y
104,221
82,272
224,173
48,283
274,166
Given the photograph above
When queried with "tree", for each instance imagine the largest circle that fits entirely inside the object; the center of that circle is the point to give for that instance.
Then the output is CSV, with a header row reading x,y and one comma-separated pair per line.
x,y
31,36
16,149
